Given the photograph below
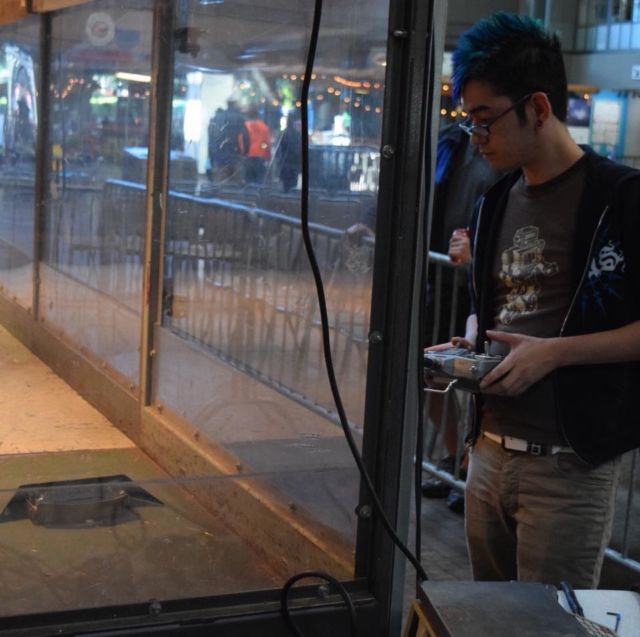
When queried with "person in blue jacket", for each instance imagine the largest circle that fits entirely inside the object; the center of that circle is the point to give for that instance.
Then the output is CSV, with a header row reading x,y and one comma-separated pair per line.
x,y
556,291
461,176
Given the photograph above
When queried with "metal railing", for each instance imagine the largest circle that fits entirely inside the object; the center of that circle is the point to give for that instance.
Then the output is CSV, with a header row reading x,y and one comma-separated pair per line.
x,y
237,284
613,35
446,415
630,160
241,288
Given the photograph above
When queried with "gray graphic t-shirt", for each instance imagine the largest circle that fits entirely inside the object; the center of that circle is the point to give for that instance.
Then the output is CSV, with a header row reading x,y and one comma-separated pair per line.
x,y
532,284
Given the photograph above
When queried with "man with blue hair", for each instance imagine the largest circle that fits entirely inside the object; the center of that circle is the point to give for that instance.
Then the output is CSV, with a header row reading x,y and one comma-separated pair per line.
x,y
556,289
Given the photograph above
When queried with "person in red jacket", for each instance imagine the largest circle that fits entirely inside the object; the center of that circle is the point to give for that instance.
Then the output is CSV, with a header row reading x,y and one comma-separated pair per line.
x,y
259,153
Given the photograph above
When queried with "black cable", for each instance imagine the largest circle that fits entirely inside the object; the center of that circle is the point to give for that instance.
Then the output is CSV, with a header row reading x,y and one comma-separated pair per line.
x,y
322,304
342,591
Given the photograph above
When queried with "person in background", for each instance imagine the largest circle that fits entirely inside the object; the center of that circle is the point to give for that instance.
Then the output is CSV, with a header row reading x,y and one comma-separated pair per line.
x,y
289,153
259,152
460,247
556,288
461,177
228,143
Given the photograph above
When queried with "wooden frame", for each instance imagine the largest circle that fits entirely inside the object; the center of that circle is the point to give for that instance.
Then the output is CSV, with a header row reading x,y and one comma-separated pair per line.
x,y
42,6
14,10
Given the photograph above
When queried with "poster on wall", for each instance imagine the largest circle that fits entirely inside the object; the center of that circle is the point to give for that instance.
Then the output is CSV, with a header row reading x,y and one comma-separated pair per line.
x,y
21,119
607,125
579,118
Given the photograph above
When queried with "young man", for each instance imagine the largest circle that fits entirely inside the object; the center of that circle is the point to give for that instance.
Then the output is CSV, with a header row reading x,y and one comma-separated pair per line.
x,y
556,287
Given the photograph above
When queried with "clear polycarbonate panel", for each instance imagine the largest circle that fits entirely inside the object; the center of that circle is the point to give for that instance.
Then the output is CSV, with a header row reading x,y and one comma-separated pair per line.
x,y
107,527
98,128
90,519
19,77
239,349
238,475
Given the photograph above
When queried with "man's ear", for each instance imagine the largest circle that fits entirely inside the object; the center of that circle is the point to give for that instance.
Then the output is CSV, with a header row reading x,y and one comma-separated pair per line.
x,y
541,106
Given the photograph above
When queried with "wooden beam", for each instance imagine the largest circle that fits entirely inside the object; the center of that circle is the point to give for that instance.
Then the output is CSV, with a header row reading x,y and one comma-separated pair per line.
x,y
42,6
12,10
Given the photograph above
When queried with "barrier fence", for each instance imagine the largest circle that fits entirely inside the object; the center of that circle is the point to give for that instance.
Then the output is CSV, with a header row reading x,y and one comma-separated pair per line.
x,y
630,160
237,283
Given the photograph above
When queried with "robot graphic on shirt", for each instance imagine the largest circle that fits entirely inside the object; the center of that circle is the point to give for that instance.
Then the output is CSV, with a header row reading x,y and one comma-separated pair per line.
x,y
523,265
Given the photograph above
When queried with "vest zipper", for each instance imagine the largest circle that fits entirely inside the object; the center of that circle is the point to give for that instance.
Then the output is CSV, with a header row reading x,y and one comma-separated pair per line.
x,y
475,244
475,429
584,273
564,324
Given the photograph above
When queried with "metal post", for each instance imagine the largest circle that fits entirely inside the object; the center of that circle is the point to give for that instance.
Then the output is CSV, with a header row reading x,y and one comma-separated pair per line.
x,y
393,392
43,159
157,187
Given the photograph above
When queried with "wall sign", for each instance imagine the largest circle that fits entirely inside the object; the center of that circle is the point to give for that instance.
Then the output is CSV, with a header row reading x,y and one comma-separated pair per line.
x,y
100,29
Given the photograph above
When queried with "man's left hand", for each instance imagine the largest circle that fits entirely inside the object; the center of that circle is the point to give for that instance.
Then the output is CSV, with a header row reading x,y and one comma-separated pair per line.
x,y
529,360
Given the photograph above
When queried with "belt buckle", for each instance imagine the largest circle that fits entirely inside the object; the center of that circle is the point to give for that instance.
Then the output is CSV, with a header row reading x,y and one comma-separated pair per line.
x,y
536,449
515,444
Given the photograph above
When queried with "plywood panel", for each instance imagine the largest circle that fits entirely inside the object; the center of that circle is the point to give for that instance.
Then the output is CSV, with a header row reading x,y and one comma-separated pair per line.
x,y
52,5
40,413
12,10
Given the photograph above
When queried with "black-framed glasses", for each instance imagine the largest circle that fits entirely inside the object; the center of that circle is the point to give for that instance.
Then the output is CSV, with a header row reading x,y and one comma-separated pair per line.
x,y
483,130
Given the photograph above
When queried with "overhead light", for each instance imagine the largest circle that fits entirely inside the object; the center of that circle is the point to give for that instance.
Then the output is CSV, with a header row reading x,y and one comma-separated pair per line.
x,y
103,99
133,77
206,2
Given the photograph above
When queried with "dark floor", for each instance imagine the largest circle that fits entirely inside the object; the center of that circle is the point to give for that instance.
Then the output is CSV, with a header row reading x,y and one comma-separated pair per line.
x,y
444,552
444,555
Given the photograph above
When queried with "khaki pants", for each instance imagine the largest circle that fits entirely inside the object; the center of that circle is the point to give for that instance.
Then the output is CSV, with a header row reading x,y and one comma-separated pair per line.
x,y
537,518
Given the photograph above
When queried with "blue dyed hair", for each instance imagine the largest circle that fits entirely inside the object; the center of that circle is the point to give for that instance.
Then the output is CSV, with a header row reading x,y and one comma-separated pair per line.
x,y
515,56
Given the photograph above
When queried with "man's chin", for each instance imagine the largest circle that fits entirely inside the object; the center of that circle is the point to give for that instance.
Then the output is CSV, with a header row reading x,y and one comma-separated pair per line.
x,y
495,162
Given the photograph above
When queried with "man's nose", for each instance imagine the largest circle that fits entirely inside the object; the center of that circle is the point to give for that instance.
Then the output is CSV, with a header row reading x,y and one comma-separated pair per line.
x,y
478,140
